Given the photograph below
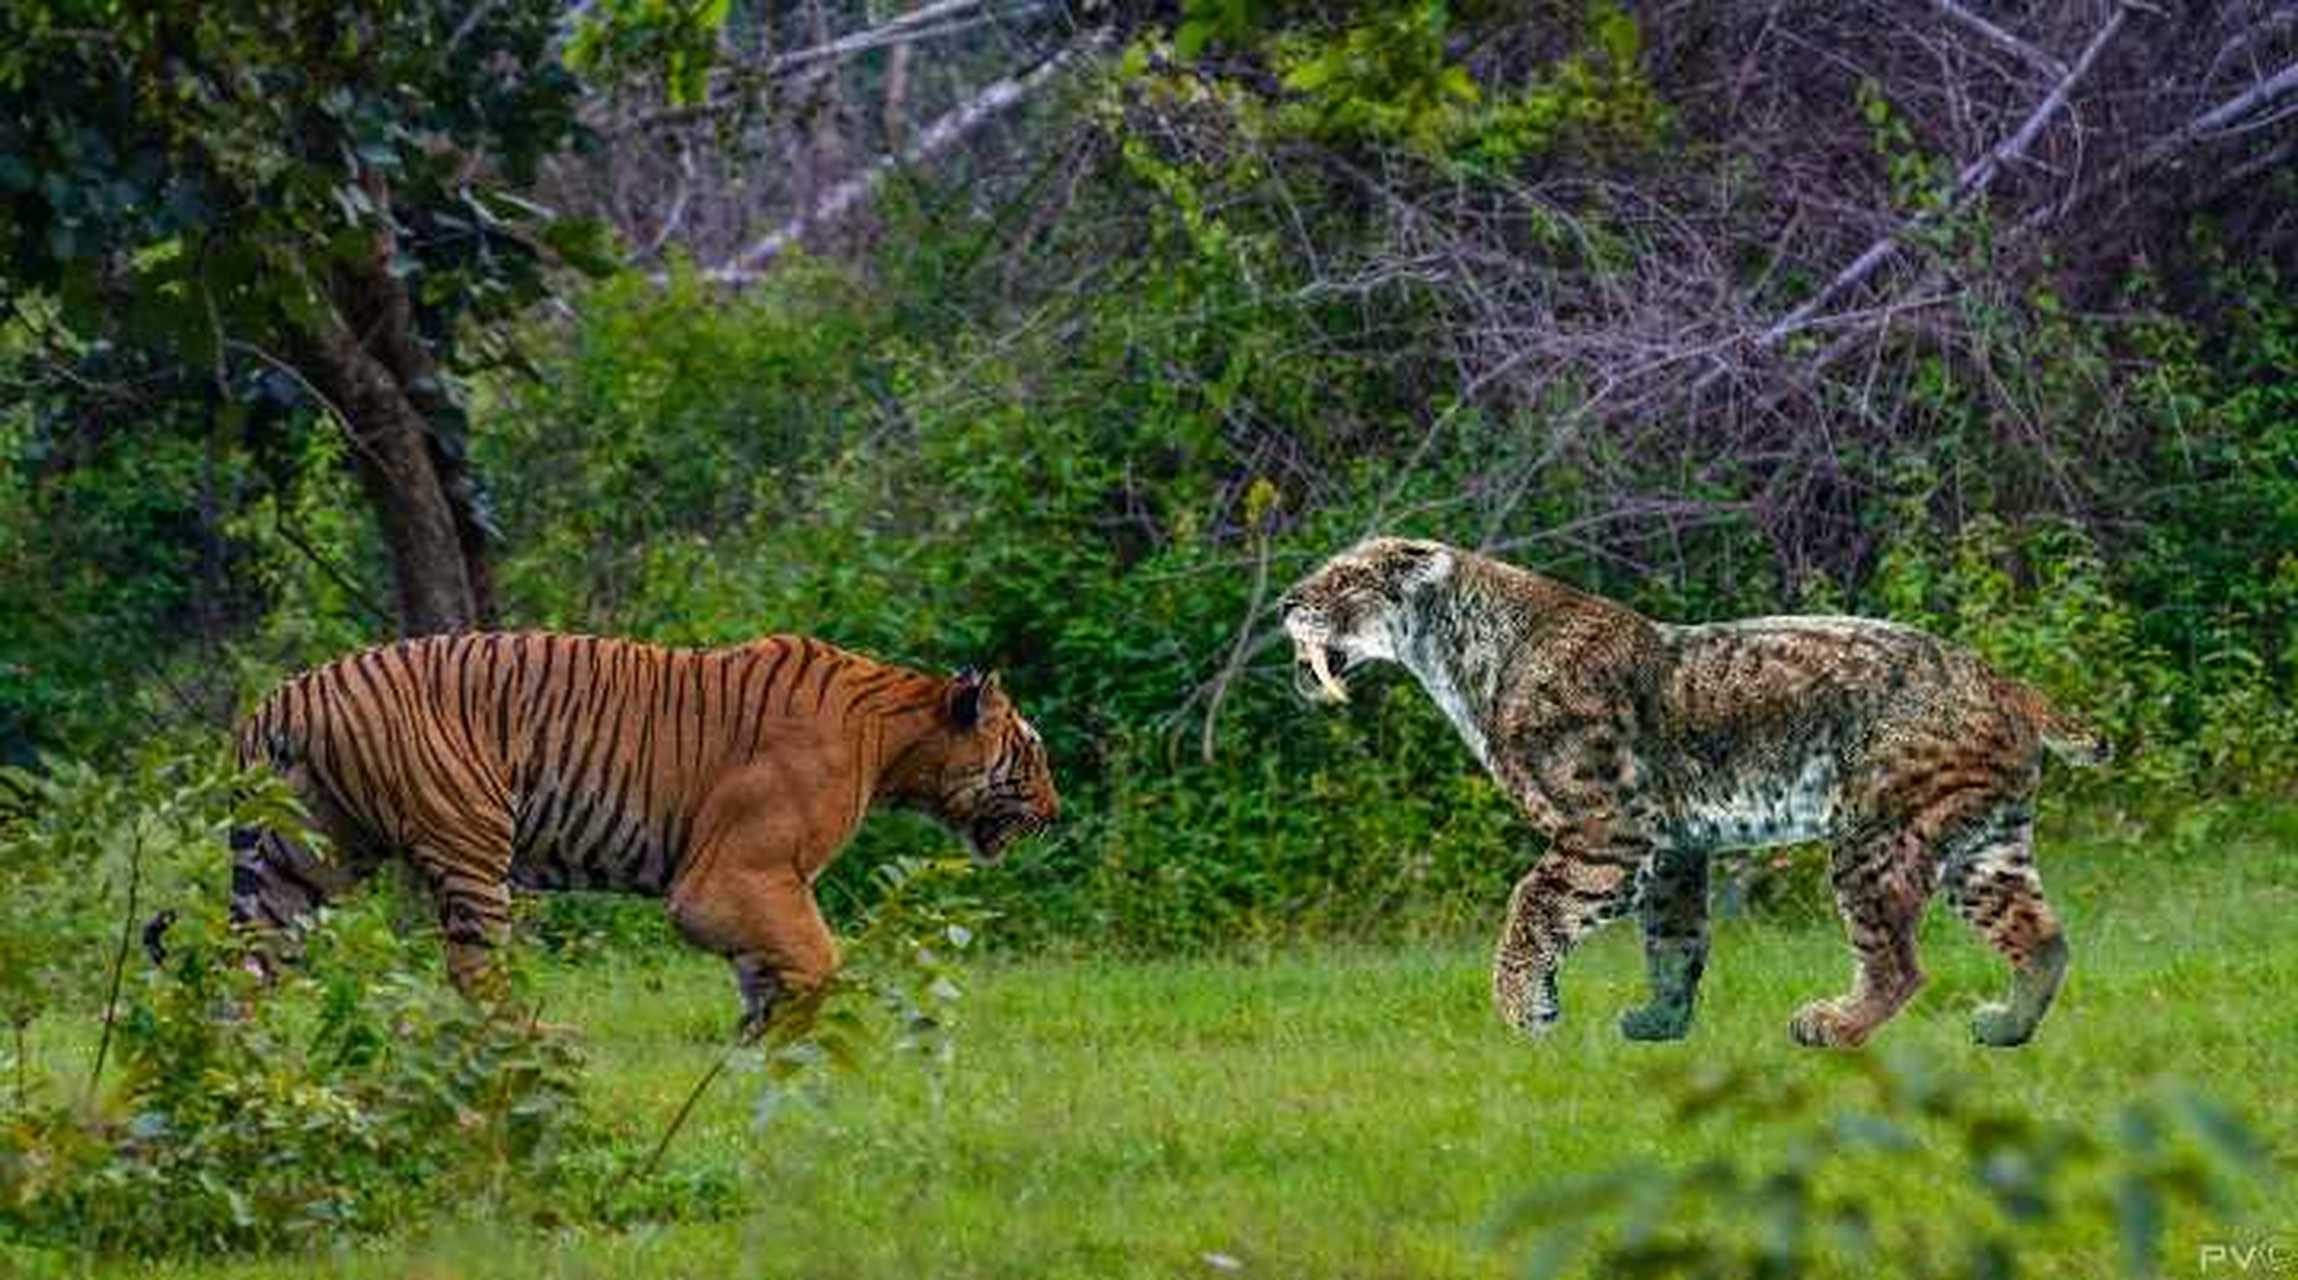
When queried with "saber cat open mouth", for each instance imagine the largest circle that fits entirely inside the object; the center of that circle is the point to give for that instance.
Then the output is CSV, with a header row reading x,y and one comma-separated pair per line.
x,y
1320,666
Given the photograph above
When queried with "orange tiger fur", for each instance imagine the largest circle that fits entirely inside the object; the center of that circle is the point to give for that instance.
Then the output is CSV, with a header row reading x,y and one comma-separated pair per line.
x,y
724,780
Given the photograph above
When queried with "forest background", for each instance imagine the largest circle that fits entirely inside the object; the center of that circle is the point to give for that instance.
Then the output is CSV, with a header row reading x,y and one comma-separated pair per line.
x,y
1058,337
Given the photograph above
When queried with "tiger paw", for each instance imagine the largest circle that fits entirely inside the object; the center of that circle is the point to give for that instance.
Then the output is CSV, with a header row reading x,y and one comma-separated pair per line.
x,y
1998,1026
1656,1021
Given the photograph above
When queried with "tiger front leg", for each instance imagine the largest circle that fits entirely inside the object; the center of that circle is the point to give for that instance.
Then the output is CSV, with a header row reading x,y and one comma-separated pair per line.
x,y
1675,918
766,923
1582,881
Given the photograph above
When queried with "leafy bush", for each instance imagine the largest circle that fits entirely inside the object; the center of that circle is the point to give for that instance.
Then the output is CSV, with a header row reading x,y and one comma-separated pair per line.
x,y
353,1108
355,1092
352,1094
1072,506
2001,1180
2043,604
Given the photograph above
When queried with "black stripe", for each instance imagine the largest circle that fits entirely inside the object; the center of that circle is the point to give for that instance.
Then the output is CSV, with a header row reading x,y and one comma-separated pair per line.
x,y
746,741
505,697
603,754
336,752
564,715
700,716
865,687
806,657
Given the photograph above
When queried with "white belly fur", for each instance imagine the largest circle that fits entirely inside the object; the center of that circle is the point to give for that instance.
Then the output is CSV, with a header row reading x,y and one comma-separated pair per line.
x,y
1765,812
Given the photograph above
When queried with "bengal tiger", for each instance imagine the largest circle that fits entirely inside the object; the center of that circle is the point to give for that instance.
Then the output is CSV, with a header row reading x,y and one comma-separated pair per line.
x,y
1638,747
722,780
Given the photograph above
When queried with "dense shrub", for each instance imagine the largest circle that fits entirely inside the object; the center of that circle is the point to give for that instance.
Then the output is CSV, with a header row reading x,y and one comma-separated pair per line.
x,y
2004,1181
1107,510
349,1096
356,1092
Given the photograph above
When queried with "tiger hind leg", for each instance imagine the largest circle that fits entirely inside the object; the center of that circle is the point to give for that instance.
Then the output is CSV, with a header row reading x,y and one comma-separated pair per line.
x,y
278,883
471,889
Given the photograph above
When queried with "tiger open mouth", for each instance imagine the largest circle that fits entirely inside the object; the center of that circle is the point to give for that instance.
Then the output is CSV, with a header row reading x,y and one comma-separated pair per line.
x,y
991,833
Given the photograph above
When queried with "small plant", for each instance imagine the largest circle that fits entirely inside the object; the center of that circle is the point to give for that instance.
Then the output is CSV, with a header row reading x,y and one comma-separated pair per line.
x,y
1998,1179
349,1095
896,994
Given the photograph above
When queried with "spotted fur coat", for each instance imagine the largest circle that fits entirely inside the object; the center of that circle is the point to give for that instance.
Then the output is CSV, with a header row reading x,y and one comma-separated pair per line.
x,y
1640,747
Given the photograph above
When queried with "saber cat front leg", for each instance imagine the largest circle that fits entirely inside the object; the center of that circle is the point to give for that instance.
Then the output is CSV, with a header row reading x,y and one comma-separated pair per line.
x,y
1587,877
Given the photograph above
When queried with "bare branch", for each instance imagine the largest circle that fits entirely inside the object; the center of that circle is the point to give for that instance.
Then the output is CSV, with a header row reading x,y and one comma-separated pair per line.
x,y
1972,182
2004,40
917,25
1239,650
2218,121
844,197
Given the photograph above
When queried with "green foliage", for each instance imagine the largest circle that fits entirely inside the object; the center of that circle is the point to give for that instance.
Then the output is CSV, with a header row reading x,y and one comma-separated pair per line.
x,y
356,1093
184,192
352,1107
675,39
1388,74
1920,182
126,559
894,998
86,849
675,417
1386,78
2043,605
2002,1180
193,171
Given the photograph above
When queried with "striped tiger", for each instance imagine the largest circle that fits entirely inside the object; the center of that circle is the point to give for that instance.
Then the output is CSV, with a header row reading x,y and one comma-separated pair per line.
x,y
721,780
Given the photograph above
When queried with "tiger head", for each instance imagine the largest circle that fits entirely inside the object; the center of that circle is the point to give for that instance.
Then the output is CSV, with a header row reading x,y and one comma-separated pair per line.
x,y
1358,607
982,769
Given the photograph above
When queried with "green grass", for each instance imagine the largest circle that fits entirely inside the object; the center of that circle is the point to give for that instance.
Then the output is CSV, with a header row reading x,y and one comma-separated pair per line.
x,y
1356,1111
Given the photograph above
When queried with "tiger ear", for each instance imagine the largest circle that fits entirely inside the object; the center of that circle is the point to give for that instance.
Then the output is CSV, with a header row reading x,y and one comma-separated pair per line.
x,y
969,694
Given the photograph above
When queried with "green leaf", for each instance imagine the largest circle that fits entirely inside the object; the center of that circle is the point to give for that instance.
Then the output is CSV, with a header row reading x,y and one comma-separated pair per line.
x,y
1190,38
586,244
1313,74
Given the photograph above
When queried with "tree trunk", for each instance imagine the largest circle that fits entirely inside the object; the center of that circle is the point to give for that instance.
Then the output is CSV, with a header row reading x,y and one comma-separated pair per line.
x,y
373,364
391,452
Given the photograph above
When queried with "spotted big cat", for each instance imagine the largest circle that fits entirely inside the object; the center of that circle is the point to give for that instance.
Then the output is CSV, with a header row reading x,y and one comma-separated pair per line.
x,y
1640,747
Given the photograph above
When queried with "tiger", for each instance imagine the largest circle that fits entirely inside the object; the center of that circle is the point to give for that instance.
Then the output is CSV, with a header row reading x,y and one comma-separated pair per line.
x,y
1638,748
723,781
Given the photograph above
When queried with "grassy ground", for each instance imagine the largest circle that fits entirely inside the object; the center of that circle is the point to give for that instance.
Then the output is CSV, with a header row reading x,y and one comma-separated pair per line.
x,y
1346,1111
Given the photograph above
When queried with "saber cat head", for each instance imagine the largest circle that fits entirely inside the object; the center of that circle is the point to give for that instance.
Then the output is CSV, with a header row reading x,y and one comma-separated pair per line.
x,y
1355,608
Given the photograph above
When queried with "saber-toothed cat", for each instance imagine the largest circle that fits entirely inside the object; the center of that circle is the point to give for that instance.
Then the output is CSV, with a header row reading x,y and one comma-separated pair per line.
x,y
1640,747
